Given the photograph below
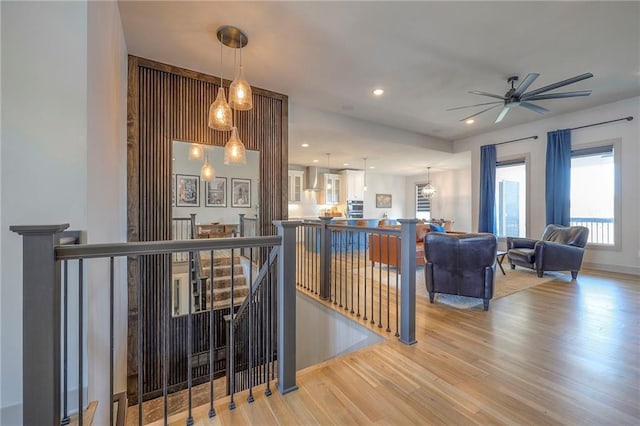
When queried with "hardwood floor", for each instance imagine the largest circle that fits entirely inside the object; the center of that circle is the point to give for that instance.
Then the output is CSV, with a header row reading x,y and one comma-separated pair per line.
x,y
563,352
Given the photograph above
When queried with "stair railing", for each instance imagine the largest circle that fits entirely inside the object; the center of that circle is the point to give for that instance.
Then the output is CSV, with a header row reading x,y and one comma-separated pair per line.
x,y
43,258
368,272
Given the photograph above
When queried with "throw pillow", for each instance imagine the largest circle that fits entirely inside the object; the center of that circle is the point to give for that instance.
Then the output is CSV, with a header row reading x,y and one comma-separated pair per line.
x,y
436,228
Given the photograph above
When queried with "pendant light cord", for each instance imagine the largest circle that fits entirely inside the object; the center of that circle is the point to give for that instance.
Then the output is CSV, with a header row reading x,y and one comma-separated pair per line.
x,y
221,44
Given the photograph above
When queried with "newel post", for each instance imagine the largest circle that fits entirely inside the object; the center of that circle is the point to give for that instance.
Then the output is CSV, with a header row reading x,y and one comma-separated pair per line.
x,y
325,258
40,324
241,224
286,305
408,281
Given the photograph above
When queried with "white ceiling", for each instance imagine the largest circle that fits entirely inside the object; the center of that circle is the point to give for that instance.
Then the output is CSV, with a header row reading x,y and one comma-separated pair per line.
x,y
328,56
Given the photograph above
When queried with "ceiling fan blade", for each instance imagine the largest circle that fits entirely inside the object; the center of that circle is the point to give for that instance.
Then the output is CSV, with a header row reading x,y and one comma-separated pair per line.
x,y
478,113
504,112
475,92
471,106
524,85
558,84
556,95
533,107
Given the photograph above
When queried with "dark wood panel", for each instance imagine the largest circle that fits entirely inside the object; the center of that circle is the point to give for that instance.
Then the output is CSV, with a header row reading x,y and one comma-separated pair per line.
x,y
167,103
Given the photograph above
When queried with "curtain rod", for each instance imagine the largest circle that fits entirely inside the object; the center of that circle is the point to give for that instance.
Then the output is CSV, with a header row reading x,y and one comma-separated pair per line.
x,y
515,140
629,118
603,122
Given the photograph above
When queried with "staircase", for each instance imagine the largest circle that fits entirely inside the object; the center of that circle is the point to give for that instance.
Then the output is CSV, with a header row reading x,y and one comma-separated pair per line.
x,y
222,268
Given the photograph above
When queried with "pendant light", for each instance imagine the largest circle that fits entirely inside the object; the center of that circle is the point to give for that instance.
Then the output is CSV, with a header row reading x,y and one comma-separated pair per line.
x,y
207,172
240,96
328,171
234,151
428,190
195,151
365,173
220,111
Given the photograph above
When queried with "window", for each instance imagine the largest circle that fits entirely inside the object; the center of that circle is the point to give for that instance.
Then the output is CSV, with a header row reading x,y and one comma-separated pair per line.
x,y
511,198
593,192
423,204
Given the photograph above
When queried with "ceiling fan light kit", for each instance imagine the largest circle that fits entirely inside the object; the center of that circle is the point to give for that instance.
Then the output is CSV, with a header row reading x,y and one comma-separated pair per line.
x,y
519,97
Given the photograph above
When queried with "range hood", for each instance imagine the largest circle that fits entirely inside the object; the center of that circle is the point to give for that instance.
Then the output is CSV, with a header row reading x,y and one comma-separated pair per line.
x,y
313,179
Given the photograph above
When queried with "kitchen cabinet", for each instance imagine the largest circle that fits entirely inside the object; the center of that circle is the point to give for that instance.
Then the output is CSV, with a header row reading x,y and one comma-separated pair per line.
x,y
296,179
331,191
353,184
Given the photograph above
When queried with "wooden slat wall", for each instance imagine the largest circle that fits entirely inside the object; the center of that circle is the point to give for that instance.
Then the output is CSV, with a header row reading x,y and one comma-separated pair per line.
x,y
167,103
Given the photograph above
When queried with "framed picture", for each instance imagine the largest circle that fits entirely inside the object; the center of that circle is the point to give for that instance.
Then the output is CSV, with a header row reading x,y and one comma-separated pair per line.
x,y
383,201
173,190
215,194
240,192
187,191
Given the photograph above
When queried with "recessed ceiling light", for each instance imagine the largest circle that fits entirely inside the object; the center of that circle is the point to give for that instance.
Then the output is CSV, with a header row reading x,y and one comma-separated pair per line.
x,y
378,92
305,145
372,167
345,164
470,121
315,161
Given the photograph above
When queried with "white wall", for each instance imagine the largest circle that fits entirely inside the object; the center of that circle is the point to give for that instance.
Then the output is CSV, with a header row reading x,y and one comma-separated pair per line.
x,y
106,196
63,157
44,152
452,200
628,258
182,165
385,184
338,335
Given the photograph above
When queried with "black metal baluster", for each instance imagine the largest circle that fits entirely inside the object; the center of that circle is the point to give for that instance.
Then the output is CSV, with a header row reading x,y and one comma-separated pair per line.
x,y
267,392
346,273
299,251
80,341
166,308
250,313
231,343
388,272
65,343
340,250
365,285
212,410
316,258
308,263
111,344
334,251
380,282
359,260
372,278
351,272
190,339
398,248
139,329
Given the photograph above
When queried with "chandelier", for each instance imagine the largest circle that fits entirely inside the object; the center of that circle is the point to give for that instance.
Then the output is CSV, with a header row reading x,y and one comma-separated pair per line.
x,y
428,190
222,115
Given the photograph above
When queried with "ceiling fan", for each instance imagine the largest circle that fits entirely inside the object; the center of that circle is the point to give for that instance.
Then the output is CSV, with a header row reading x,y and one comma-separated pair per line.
x,y
516,96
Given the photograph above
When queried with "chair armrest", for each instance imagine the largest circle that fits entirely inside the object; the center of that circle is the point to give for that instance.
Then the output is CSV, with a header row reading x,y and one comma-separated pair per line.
x,y
550,255
520,243
556,248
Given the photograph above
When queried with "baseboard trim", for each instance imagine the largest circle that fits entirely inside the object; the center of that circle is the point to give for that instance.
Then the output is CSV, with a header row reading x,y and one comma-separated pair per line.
x,y
618,269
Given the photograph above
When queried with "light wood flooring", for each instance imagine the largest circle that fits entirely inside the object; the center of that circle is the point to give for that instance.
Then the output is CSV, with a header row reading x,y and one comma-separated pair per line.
x,y
562,352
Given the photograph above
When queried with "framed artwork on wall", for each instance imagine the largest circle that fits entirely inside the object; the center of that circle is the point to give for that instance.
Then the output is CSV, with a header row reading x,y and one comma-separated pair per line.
x,y
240,192
383,201
187,191
173,190
216,192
